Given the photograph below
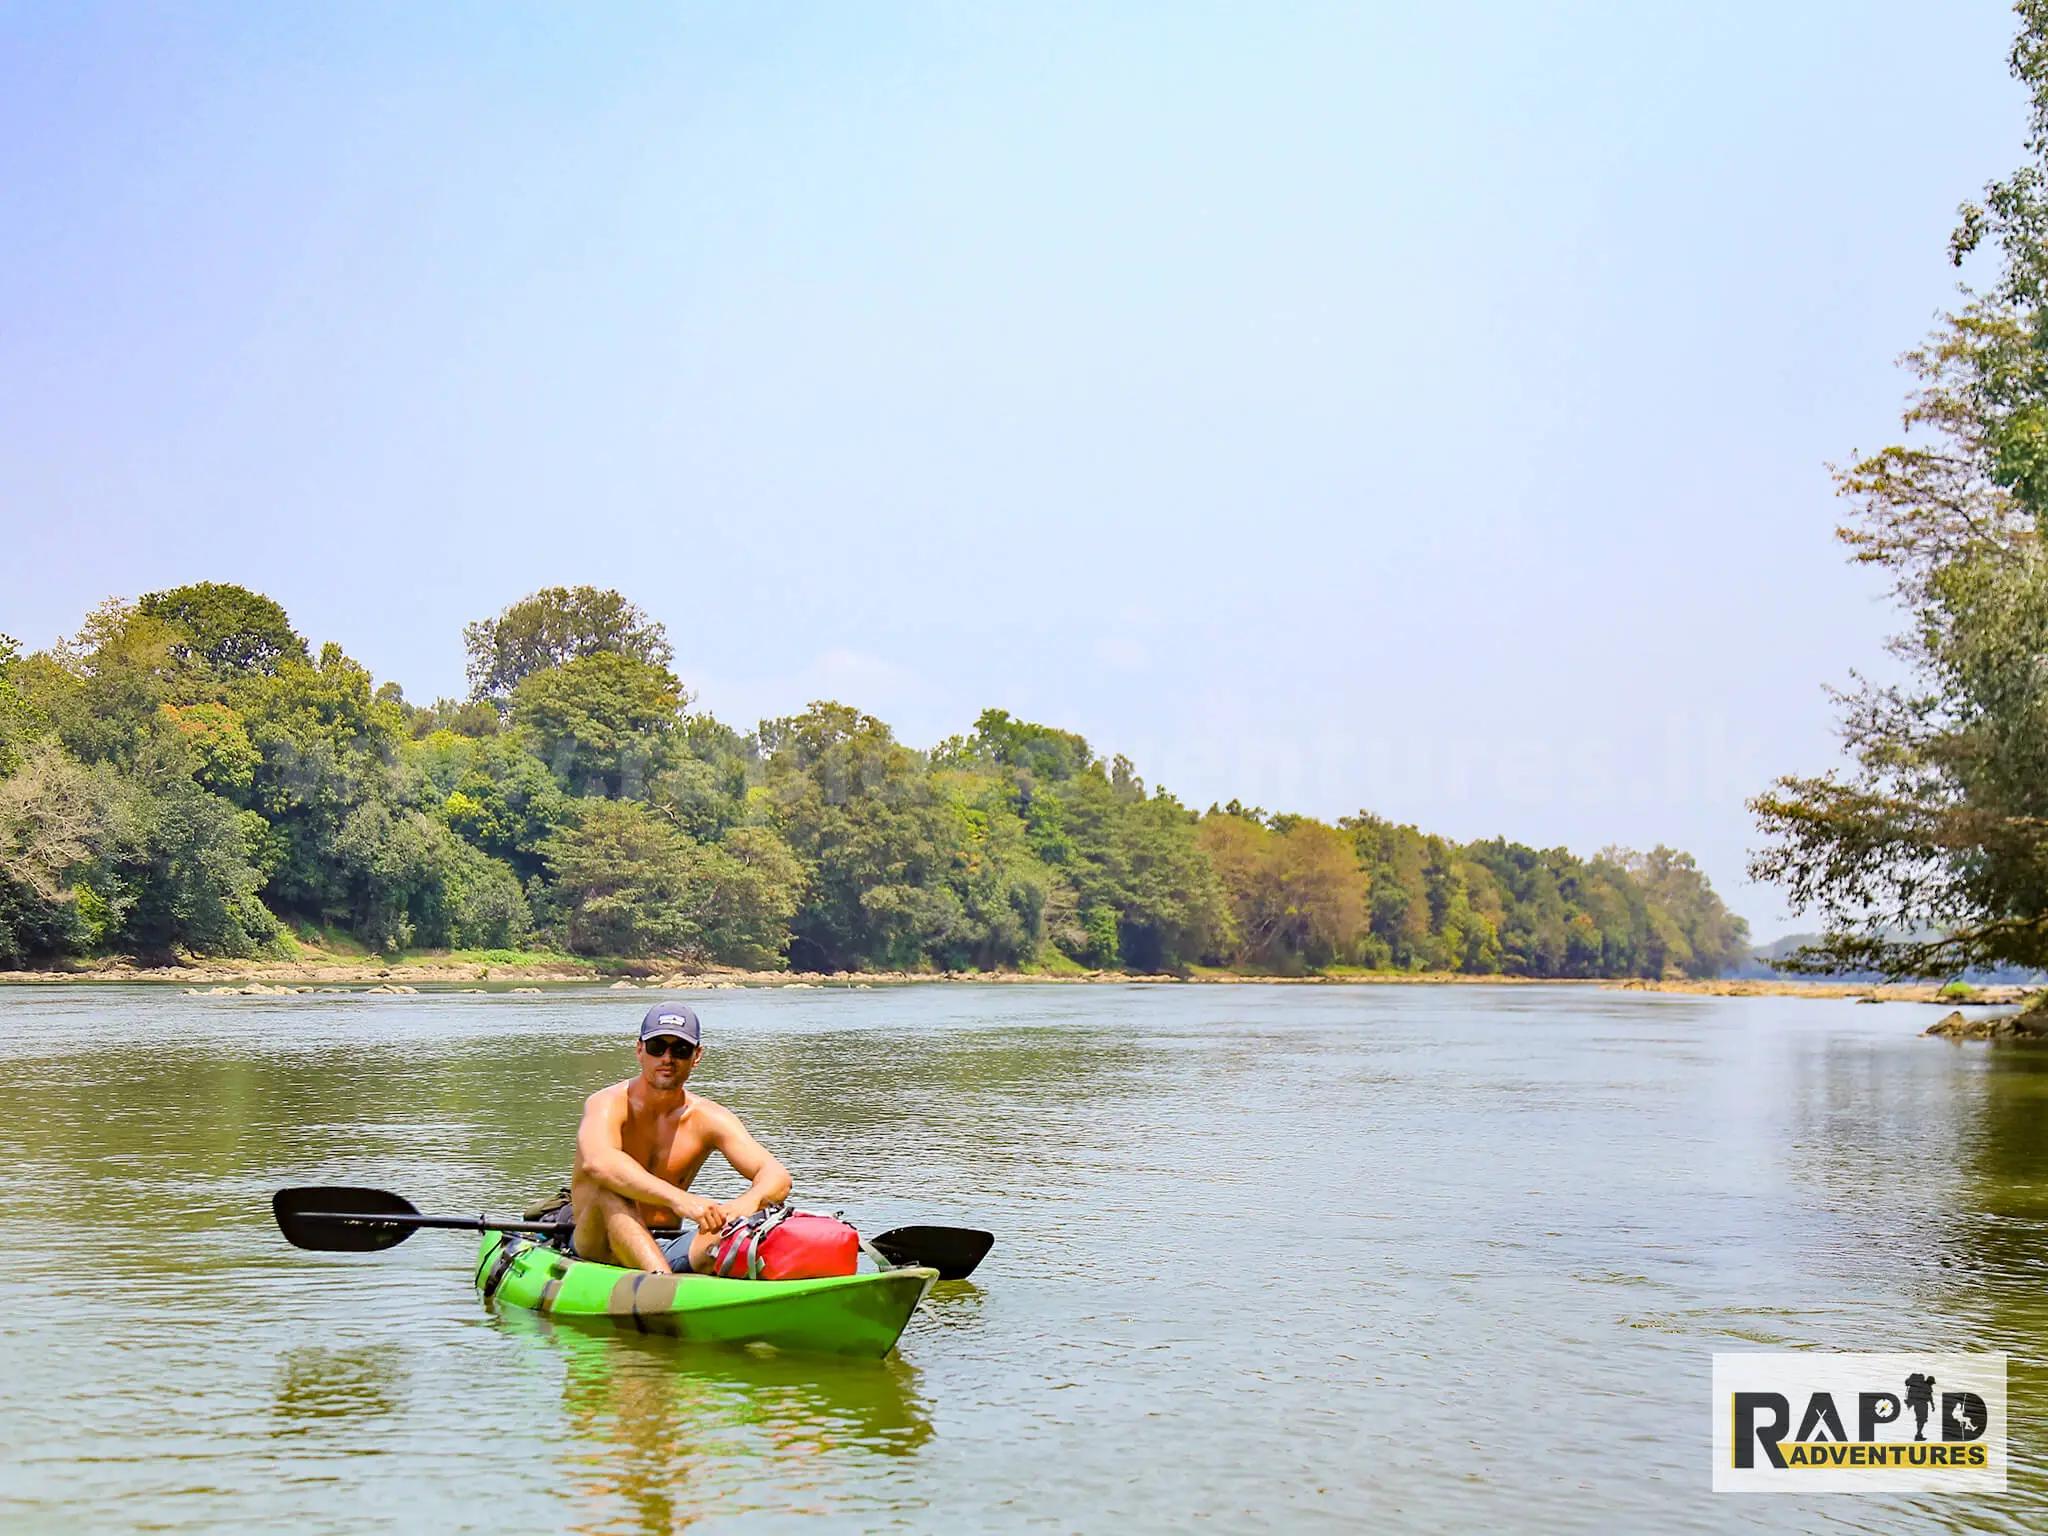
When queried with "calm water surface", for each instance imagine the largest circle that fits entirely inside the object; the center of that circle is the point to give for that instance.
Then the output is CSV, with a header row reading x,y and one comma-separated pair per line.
x,y
1434,1258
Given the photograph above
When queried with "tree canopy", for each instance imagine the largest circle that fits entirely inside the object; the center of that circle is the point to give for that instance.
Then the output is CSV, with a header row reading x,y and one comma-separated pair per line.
x,y
185,774
226,626
552,627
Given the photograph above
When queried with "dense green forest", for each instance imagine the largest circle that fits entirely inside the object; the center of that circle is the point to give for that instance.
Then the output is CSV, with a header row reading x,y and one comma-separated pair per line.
x,y
184,775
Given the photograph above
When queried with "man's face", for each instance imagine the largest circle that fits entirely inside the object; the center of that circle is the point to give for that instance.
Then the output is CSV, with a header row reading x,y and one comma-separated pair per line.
x,y
666,1061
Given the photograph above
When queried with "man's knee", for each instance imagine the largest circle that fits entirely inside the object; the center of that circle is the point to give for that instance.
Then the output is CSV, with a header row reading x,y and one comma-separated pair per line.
x,y
596,1210
621,1217
589,1238
704,1252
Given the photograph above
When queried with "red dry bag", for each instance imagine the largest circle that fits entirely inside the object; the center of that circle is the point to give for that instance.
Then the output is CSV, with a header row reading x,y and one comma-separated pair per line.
x,y
781,1244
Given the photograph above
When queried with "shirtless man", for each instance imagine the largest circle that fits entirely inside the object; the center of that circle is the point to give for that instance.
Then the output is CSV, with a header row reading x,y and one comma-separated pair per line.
x,y
642,1142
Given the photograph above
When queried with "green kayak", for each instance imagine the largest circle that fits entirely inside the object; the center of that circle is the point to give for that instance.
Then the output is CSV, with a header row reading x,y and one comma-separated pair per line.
x,y
845,1315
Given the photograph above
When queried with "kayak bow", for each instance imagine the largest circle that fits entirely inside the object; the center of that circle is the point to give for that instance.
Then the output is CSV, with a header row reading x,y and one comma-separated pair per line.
x,y
842,1315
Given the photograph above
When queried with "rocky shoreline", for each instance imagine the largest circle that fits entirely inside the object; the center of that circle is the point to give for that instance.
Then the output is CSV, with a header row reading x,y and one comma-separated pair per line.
x,y
2031,1024
287,977
279,978
1862,992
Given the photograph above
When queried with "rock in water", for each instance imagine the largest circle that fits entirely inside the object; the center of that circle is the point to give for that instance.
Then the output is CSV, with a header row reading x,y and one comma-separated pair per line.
x,y
2032,1025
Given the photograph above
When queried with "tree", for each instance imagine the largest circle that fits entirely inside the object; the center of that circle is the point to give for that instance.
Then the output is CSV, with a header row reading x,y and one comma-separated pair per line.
x,y
191,878
1709,938
100,689
492,792
858,809
626,880
749,887
703,788
20,720
1145,895
600,722
552,627
1038,750
223,757
61,825
1001,885
1393,858
1927,856
227,627
1297,895
411,880
326,746
1472,935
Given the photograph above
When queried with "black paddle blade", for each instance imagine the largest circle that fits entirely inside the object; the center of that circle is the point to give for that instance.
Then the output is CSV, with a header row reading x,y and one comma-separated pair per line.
x,y
952,1251
309,1218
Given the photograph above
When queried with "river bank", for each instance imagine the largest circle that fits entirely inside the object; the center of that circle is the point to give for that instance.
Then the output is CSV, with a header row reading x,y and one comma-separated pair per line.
x,y
273,976
1863,991
428,971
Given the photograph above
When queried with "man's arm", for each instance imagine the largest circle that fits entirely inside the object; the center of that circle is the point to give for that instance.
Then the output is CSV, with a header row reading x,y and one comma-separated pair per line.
x,y
768,1180
601,1155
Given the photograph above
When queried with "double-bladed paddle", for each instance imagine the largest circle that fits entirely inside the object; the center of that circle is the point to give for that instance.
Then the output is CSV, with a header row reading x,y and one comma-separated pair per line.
x,y
340,1218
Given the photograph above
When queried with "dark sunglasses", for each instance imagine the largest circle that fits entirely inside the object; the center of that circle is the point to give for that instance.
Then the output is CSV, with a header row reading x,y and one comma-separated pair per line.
x,y
668,1045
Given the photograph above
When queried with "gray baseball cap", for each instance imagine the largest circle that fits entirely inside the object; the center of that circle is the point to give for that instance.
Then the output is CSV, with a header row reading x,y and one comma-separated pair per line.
x,y
678,1019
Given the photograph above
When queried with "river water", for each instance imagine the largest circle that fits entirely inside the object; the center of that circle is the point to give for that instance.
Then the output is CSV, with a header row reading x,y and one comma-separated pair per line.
x,y
1436,1258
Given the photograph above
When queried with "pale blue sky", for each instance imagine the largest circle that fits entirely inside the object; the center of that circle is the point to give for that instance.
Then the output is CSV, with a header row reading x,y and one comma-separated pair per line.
x,y
1421,409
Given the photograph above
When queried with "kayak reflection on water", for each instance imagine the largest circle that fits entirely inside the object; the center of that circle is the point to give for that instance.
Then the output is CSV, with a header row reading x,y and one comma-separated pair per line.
x,y
641,1145
655,1446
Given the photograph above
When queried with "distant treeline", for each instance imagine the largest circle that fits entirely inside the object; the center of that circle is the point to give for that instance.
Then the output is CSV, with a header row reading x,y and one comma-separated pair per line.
x,y
184,775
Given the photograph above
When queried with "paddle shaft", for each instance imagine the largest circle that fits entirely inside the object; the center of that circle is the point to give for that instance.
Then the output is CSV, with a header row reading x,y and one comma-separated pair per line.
x,y
905,1240
460,1223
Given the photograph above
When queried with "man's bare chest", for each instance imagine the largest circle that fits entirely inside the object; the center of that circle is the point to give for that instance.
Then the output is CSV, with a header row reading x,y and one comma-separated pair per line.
x,y
670,1147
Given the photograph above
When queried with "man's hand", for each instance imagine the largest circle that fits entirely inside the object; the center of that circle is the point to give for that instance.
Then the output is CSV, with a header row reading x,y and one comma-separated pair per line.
x,y
695,1210
710,1217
